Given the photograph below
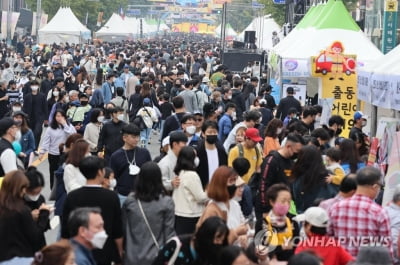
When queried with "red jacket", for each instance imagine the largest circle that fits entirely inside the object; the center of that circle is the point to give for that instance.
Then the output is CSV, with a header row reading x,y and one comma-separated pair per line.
x,y
327,248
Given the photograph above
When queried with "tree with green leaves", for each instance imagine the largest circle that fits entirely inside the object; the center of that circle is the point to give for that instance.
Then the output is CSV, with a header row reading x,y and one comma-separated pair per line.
x,y
81,8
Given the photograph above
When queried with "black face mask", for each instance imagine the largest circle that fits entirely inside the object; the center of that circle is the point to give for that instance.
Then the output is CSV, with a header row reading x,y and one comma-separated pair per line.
x,y
84,103
232,190
211,139
294,156
338,132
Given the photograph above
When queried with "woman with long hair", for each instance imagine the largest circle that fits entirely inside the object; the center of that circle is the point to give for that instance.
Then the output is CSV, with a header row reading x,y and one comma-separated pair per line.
x,y
350,159
309,174
55,95
148,217
272,132
27,140
92,130
60,128
202,248
59,253
189,197
19,232
73,178
98,81
220,190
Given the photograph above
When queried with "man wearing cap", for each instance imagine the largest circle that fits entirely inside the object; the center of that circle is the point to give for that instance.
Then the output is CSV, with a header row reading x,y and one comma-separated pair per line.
x,y
107,89
126,75
356,133
9,133
35,106
358,220
167,164
286,103
127,160
315,224
265,93
77,112
13,93
249,149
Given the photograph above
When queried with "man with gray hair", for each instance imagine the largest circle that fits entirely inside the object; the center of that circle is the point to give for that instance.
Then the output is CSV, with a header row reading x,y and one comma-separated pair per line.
x,y
393,210
86,227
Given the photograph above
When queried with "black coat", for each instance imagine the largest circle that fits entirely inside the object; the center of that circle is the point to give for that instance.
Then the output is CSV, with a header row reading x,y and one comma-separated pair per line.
x,y
39,112
202,169
285,104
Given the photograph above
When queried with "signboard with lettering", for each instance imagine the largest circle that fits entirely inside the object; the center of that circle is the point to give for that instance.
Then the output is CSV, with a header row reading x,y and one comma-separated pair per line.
x,y
389,37
295,68
339,81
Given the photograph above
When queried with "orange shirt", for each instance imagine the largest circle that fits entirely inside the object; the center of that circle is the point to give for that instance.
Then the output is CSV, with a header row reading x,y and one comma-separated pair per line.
x,y
271,144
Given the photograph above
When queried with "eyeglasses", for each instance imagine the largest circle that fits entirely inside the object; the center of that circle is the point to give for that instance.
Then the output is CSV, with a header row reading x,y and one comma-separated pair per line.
x,y
198,119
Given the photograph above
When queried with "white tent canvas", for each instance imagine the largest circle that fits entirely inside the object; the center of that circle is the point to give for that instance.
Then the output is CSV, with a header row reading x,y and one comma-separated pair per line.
x,y
64,27
263,26
116,28
379,82
229,31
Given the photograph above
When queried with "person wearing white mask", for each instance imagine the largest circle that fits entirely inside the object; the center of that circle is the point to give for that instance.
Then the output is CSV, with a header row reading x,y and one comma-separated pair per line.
x,y
35,106
105,235
93,128
110,138
189,128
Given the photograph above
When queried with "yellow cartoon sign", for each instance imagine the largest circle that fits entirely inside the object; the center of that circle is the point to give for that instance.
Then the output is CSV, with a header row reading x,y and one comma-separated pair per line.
x,y
339,81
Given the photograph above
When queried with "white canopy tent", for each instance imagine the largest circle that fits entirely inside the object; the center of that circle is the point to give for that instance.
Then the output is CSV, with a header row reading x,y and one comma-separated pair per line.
x,y
115,29
229,31
263,26
64,27
378,82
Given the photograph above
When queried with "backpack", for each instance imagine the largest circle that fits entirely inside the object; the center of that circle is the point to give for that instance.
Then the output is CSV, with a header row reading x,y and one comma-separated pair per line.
x,y
139,122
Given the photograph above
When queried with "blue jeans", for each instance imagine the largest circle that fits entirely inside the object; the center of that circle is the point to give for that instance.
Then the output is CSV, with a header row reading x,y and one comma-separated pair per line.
x,y
17,261
161,129
144,137
122,198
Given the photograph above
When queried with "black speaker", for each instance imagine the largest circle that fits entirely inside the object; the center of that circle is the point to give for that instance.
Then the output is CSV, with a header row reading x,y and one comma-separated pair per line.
x,y
250,37
237,44
236,61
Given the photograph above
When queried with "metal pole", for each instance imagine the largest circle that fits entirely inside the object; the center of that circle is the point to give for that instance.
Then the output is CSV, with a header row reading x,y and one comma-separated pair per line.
x,y
9,16
38,18
223,27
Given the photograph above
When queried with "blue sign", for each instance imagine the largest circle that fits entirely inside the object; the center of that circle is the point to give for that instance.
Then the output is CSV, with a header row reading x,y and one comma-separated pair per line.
x,y
255,4
133,12
279,2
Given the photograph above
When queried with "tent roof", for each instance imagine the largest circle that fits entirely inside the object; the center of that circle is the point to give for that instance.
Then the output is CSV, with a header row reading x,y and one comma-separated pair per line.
x,y
64,21
115,26
264,26
229,31
333,24
389,64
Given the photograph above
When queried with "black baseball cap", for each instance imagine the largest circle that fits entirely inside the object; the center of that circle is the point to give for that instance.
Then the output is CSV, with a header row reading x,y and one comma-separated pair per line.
x,y
5,124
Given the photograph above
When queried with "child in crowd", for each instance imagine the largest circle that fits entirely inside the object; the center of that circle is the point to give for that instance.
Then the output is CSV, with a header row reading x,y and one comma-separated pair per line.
x,y
242,166
334,167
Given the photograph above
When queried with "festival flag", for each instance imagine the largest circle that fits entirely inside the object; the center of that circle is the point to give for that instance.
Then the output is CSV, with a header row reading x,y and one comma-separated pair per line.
x,y
99,19
87,17
121,12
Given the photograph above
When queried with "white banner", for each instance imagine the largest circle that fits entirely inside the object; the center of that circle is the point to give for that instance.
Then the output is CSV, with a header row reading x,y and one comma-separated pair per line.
x,y
395,98
380,91
296,68
14,20
363,88
34,20
4,24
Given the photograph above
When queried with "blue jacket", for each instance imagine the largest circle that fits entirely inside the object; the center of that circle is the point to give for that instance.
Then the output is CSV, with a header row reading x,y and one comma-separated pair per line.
x,y
97,100
28,142
106,91
83,256
119,82
225,126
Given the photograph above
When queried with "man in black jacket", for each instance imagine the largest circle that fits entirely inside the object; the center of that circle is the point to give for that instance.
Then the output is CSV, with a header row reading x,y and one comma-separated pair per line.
x,y
238,98
286,103
210,152
173,122
47,83
110,138
35,106
94,195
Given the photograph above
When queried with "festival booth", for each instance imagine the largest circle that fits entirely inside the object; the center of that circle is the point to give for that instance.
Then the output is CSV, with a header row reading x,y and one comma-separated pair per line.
x,y
320,59
116,29
64,27
230,33
379,84
263,26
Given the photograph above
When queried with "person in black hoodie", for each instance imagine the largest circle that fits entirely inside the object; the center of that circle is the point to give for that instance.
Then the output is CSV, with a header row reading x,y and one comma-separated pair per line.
x,y
238,99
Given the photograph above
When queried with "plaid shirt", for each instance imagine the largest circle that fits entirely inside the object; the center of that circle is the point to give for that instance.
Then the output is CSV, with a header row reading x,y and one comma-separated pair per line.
x,y
358,221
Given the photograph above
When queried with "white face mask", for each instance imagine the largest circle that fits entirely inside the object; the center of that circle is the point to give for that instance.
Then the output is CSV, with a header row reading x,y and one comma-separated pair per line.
x,y
100,118
230,97
34,88
237,198
99,239
363,123
32,198
18,136
113,184
56,93
196,161
191,129
15,109
279,131
121,117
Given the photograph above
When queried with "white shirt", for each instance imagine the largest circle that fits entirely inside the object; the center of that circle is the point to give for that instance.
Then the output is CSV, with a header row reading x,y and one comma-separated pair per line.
x,y
213,162
8,160
73,178
235,215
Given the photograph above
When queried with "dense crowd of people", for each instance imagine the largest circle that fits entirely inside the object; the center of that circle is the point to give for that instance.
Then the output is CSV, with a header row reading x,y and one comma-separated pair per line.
x,y
239,179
